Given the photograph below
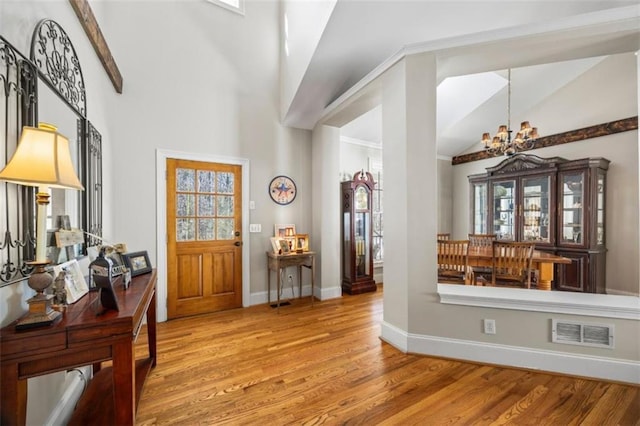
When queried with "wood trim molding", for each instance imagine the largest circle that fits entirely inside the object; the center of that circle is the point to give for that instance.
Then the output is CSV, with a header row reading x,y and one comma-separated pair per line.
x,y
604,129
92,29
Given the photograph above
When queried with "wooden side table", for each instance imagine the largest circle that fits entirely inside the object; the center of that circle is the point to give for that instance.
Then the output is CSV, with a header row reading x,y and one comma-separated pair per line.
x,y
83,338
278,262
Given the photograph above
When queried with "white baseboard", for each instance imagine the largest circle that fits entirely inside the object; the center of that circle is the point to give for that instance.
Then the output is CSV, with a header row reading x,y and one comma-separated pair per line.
x,y
330,293
394,336
513,356
286,293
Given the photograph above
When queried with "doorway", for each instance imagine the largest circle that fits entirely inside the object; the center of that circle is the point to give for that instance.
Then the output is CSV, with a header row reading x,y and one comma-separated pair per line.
x,y
196,287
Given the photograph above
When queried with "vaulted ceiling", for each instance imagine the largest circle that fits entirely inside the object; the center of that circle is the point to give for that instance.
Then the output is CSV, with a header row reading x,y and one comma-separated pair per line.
x,y
361,35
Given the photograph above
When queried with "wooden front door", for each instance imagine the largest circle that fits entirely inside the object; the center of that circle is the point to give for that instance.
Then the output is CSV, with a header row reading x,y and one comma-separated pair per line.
x,y
204,240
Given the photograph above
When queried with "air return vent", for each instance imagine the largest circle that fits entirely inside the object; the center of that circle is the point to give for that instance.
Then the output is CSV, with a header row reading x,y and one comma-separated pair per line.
x,y
577,333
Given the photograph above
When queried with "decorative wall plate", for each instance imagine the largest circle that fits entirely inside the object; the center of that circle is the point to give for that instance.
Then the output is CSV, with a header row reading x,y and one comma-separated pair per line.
x,y
282,190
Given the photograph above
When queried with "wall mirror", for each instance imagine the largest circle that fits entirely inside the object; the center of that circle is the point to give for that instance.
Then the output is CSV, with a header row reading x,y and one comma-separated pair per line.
x,y
62,101
64,203
48,87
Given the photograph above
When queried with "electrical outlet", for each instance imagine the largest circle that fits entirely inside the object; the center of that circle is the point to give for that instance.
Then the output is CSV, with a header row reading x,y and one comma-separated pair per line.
x,y
489,326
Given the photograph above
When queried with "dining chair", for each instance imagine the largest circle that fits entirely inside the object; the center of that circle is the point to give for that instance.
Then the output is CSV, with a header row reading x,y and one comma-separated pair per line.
x,y
511,264
453,262
483,273
481,240
446,236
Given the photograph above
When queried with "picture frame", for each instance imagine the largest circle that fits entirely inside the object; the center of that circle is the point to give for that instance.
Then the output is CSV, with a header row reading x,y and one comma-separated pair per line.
x,y
284,246
137,262
302,243
275,244
284,231
74,283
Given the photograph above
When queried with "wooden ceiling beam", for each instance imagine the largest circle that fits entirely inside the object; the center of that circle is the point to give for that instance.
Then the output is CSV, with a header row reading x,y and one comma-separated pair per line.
x,y
91,27
604,129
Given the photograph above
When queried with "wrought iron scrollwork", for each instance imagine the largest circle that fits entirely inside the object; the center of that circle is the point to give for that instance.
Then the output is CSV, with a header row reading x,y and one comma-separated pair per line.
x,y
18,79
92,215
56,59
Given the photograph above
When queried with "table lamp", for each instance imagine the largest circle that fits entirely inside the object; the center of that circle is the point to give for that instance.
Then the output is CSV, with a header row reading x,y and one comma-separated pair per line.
x,y
42,159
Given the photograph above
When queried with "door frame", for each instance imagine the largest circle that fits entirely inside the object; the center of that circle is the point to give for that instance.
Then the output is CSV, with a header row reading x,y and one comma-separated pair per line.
x,y
162,155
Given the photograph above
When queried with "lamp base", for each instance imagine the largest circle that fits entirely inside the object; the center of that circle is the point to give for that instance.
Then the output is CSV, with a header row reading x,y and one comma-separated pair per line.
x,y
40,311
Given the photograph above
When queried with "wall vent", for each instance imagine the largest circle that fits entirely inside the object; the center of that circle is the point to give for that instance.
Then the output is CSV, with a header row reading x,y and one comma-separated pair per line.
x,y
583,334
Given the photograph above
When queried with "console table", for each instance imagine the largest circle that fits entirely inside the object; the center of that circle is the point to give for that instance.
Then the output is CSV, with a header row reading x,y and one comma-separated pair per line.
x,y
83,338
277,262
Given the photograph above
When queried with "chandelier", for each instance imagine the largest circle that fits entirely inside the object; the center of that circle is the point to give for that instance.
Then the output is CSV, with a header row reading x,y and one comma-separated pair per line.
x,y
502,142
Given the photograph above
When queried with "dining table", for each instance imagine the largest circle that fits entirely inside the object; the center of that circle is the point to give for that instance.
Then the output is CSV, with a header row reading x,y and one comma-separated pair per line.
x,y
541,260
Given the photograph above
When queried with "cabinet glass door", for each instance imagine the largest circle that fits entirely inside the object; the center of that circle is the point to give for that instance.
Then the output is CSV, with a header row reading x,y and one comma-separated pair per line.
x,y
600,210
504,203
536,209
480,208
572,208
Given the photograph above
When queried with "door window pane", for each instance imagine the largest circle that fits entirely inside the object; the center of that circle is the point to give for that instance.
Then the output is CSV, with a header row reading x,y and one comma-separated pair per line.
x,y
186,230
186,180
205,229
225,205
206,205
225,183
225,229
186,205
206,181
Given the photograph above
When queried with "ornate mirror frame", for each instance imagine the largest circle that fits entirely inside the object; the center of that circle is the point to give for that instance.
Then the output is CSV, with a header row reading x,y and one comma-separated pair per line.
x,y
55,65
59,68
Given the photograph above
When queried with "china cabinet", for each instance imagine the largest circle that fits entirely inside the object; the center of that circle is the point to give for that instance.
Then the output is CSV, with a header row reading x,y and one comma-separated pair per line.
x,y
357,234
559,204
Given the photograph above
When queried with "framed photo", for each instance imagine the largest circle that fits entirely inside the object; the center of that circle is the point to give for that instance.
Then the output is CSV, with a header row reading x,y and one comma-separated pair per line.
x,y
275,244
284,231
284,246
74,283
302,242
137,262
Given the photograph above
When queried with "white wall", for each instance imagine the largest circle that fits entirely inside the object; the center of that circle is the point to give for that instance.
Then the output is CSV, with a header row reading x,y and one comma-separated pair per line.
x,y
355,157
200,79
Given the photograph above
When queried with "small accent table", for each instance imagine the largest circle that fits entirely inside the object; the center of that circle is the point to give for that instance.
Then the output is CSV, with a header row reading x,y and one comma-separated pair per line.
x,y
278,262
83,338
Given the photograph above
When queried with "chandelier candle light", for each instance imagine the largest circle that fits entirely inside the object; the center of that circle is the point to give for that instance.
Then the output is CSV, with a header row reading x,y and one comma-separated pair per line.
x,y
502,142
42,159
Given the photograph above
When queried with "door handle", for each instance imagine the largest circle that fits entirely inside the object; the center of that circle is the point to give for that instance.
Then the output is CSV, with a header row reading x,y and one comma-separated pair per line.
x,y
237,243
237,233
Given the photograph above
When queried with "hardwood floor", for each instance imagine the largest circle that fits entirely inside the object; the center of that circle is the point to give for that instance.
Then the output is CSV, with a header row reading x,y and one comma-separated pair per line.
x,y
327,365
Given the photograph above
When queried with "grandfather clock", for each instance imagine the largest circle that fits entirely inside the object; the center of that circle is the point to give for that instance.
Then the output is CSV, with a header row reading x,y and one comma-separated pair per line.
x,y
357,234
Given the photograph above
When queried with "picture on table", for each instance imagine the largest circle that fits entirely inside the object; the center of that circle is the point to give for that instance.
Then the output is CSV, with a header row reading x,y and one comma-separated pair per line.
x,y
302,242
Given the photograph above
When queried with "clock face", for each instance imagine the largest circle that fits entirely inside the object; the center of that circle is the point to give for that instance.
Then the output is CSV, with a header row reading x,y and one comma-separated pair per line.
x,y
282,190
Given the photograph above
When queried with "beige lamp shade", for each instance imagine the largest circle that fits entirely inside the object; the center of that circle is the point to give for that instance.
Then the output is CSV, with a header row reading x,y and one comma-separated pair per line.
x,y
42,158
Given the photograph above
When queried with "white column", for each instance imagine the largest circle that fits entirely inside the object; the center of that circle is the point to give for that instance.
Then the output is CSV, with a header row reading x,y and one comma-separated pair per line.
x,y
325,217
411,196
